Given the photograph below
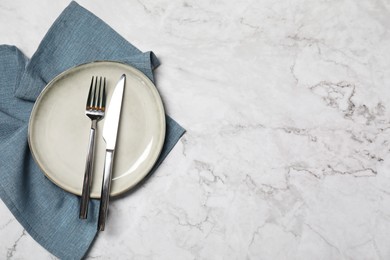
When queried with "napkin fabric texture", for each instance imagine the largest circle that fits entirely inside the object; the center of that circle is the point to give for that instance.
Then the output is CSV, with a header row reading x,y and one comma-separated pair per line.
x,y
48,213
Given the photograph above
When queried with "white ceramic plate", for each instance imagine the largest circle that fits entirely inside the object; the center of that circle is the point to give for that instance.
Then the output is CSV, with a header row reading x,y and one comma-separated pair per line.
x,y
59,129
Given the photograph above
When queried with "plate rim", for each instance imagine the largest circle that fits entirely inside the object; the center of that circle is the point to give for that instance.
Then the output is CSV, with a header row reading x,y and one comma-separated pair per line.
x,y
60,75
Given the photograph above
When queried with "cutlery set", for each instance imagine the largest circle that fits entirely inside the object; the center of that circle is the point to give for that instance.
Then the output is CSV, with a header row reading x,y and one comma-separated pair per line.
x,y
96,110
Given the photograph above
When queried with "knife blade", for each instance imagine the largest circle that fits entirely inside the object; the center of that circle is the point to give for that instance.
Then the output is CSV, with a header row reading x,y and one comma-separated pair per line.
x,y
110,133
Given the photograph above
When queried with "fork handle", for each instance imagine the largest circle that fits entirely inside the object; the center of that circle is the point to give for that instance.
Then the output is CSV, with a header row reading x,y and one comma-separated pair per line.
x,y
106,186
88,173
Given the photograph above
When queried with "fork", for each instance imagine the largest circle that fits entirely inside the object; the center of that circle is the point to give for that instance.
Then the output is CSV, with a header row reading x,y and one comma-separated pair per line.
x,y
94,109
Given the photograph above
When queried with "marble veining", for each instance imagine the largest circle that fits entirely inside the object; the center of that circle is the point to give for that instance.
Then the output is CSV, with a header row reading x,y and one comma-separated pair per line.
x,y
286,154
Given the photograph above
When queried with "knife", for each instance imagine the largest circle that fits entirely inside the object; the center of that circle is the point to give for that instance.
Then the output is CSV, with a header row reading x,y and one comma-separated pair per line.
x,y
110,131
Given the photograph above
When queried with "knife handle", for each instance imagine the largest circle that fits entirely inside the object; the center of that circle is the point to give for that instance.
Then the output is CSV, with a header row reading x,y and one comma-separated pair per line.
x,y
88,174
106,186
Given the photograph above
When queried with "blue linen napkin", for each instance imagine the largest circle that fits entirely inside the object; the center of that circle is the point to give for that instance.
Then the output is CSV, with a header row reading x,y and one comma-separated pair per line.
x,y
48,213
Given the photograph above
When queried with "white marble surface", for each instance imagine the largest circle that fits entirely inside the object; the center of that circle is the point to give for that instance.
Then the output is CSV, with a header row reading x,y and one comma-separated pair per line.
x,y
286,106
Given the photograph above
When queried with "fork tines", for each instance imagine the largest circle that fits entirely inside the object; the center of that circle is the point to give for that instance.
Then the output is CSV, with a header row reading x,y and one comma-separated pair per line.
x,y
96,97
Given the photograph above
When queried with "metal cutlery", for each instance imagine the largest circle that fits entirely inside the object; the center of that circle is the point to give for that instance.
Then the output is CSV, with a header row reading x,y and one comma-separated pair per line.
x,y
95,109
110,131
